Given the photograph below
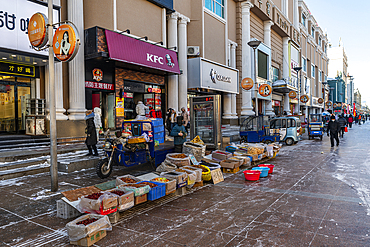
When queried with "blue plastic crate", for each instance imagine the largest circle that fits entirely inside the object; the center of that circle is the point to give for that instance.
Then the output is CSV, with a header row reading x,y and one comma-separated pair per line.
x,y
158,135
160,140
156,192
159,128
157,121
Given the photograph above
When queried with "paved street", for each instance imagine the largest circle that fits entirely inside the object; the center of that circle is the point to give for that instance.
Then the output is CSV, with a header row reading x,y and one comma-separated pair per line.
x,y
311,199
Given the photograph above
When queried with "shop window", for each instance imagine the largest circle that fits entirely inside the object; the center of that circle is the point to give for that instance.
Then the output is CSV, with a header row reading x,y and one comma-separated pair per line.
x,y
262,65
216,6
275,74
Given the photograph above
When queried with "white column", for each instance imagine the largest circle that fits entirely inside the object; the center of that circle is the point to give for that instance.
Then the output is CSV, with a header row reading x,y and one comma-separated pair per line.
x,y
295,14
77,65
227,106
234,115
246,58
172,79
183,62
286,72
59,92
267,40
164,27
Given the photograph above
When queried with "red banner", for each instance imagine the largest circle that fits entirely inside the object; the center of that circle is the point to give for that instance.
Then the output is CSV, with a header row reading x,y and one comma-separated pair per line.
x,y
99,85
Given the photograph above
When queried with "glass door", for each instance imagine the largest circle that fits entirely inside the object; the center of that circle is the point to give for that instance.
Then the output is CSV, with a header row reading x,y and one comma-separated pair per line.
x,y
7,108
204,121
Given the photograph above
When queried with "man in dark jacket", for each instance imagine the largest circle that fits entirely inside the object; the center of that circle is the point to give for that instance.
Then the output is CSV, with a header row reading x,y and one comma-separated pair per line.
x,y
91,138
342,123
333,127
179,132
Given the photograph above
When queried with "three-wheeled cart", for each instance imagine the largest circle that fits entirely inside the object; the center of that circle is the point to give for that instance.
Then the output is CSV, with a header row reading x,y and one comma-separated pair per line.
x,y
315,126
256,129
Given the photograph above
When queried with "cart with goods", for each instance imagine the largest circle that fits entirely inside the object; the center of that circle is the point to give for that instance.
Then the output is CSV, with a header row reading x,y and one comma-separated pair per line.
x,y
315,126
135,146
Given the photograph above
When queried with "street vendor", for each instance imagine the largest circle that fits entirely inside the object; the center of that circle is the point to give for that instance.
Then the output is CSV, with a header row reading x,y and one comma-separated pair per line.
x,y
179,132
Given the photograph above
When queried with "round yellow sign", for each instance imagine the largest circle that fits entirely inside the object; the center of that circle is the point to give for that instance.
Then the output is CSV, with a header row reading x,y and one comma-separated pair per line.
x,y
65,42
247,83
304,98
320,100
265,90
328,103
37,34
292,94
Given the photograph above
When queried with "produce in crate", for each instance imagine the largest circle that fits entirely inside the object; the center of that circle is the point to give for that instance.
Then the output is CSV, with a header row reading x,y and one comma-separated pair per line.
x,y
125,198
99,203
87,221
160,179
150,184
138,189
178,159
128,180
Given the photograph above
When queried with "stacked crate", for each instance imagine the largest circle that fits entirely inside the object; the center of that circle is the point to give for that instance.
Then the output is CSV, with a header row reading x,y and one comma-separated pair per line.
x,y
158,130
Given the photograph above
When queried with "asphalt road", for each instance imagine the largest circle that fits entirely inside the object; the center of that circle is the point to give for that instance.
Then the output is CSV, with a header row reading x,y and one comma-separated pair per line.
x,y
317,196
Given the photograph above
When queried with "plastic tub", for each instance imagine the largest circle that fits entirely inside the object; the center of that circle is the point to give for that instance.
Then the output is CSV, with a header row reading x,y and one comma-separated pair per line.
x,y
264,171
251,175
270,166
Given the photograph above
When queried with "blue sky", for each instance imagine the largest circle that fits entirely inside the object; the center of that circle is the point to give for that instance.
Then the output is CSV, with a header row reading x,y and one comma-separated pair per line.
x,y
348,20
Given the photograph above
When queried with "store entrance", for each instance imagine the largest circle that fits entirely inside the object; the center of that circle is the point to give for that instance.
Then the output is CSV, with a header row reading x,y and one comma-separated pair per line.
x,y
14,93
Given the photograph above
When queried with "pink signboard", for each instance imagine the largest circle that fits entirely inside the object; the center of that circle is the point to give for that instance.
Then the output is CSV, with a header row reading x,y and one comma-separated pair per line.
x,y
129,50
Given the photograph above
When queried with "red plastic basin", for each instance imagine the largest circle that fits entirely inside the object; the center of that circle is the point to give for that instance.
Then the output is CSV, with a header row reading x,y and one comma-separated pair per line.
x,y
252,175
269,166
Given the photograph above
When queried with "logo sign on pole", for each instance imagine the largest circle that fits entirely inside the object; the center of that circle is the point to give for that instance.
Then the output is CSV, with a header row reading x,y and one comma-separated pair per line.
x,y
320,100
328,104
265,90
97,74
247,83
304,98
292,94
37,31
65,42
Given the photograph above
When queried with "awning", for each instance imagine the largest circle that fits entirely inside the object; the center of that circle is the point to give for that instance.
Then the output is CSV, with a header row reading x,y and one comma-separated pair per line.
x,y
129,50
282,86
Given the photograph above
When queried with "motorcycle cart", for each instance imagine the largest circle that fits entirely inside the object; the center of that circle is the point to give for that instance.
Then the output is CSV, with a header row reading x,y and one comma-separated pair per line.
x,y
288,128
315,126
136,146
256,129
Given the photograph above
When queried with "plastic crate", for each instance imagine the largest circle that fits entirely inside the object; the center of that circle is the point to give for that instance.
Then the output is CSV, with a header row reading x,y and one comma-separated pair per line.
x,y
156,192
158,135
66,211
157,121
159,128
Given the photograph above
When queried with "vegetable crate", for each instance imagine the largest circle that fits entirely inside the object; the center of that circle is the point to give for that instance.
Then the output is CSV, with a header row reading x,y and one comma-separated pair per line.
x,y
156,192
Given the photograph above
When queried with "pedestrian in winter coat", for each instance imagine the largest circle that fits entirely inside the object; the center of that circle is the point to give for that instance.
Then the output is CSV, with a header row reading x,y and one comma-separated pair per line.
x,y
333,128
168,120
179,132
173,118
342,123
359,119
90,130
350,121
356,119
186,119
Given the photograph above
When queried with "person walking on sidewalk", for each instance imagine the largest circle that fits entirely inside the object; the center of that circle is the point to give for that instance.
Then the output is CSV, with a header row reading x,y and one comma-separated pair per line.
x,y
185,119
350,120
90,131
359,119
342,123
179,132
333,128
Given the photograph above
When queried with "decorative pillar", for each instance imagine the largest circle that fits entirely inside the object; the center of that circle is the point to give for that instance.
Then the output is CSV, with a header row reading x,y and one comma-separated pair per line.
x,y
267,40
286,72
77,65
59,92
295,14
234,115
183,62
227,106
172,79
247,109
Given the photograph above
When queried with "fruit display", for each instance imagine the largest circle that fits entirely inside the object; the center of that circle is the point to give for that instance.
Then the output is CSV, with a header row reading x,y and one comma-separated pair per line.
x,y
160,179
179,156
128,180
118,192
201,167
133,185
94,196
86,222
150,184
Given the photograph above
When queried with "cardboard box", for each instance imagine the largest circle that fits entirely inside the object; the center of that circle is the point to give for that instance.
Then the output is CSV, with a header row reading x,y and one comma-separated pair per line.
x,y
90,239
221,155
180,177
228,170
141,199
240,160
113,217
211,161
231,164
170,185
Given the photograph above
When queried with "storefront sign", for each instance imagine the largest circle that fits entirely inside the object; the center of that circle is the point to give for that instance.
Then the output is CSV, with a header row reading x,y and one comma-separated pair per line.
x,y
320,100
203,73
335,105
276,103
292,94
247,83
120,107
37,30
304,98
154,90
14,21
265,90
99,85
328,104
65,42
17,69
134,87
97,74
128,95
141,53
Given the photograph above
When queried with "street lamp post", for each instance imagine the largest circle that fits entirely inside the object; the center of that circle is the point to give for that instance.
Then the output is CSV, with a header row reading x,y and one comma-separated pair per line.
x,y
254,44
324,83
297,69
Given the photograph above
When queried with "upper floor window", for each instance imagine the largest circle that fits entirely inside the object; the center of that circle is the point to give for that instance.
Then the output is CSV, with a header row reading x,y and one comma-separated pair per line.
x,y
304,64
216,6
303,20
319,41
325,47
275,74
313,71
320,75
262,65
313,32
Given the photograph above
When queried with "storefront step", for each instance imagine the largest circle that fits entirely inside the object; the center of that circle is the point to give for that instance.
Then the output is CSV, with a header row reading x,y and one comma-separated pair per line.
x,y
24,171
22,163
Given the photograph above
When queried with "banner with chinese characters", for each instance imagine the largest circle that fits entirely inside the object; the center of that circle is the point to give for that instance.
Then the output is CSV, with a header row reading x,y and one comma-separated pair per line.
x,y
99,85
120,107
17,69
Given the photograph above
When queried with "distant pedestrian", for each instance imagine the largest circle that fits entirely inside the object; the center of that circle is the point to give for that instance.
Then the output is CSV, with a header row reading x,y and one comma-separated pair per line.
x,y
179,132
90,131
356,119
350,121
173,118
342,123
185,119
333,129
168,120
359,119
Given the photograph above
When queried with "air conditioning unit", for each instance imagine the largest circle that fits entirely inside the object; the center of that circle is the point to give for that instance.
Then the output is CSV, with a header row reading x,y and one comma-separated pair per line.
x,y
193,51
